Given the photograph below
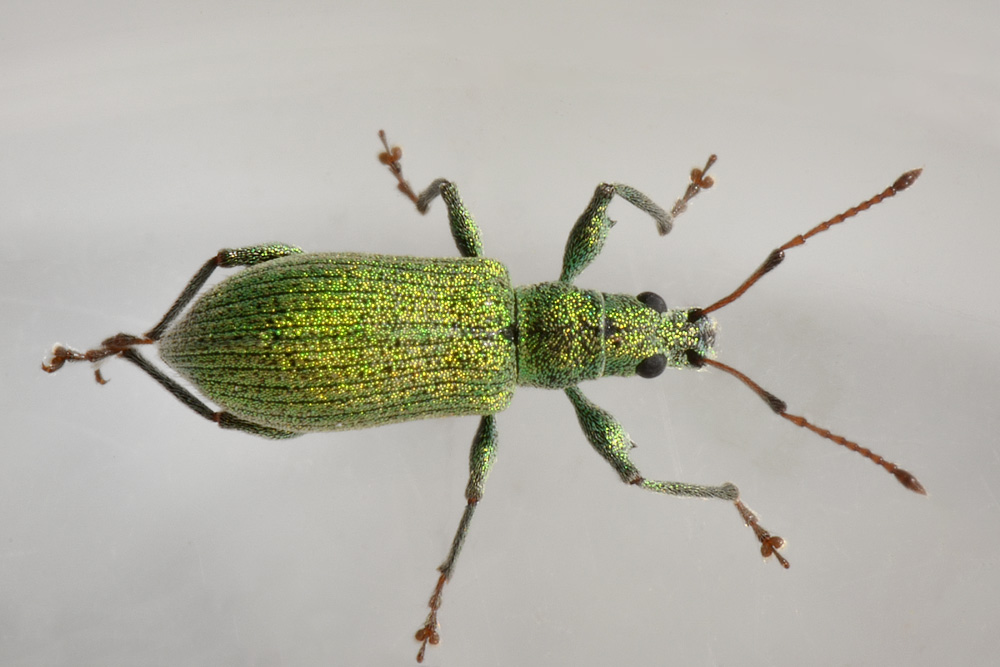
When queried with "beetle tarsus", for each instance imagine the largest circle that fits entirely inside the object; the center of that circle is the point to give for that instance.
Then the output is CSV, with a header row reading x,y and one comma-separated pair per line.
x,y
769,544
699,182
428,633
391,158
906,180
109,348
60,355
907,479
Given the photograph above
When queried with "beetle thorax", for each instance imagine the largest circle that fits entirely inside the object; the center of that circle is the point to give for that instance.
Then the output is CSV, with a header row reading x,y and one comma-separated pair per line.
x,y
566,334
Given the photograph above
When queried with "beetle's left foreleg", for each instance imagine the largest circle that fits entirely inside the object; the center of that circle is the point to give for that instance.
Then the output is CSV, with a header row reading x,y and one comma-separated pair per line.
x,y
611,441
586,240
481,458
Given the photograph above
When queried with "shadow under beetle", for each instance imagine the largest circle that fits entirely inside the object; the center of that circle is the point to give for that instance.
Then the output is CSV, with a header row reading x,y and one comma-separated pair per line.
x,y
302,342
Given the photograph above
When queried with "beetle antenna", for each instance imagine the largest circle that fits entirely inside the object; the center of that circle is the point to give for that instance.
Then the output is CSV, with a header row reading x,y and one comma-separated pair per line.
x,y
905,478
778,254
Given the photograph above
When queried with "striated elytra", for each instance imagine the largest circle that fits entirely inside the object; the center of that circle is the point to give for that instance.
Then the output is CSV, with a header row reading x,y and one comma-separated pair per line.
x,y
299,342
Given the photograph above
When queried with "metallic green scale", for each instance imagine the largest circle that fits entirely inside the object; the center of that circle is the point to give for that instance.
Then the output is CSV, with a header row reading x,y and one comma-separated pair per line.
x,y
320,342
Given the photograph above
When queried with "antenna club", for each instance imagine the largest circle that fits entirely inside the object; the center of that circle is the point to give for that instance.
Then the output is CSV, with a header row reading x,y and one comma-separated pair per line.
x,y
906,180
907,479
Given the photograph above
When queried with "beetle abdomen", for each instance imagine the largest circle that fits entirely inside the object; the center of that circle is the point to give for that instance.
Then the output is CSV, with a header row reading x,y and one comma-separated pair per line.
x,y
320,342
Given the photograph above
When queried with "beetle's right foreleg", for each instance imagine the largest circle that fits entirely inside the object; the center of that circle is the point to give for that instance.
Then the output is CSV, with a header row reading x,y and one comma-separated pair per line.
x,y
586,239
120,343
481,459
464,229
611,441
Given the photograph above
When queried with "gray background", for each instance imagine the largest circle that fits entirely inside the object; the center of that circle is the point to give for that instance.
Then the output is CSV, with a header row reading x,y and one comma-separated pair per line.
x,y
135,141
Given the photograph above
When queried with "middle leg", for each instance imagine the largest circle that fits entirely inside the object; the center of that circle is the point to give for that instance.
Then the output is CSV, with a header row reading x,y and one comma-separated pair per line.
x,y
464,229
481,459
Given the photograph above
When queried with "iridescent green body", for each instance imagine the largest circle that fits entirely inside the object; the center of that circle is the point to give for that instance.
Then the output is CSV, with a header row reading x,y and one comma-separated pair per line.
x,y
336,341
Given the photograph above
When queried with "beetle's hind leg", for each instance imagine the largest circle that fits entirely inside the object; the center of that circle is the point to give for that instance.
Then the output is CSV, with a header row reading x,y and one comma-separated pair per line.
x,y
123,344
481,458
223,419
464,229
611,441
119,343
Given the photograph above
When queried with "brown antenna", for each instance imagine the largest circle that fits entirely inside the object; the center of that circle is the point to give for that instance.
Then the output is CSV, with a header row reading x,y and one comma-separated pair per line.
x,y
905,478
778,254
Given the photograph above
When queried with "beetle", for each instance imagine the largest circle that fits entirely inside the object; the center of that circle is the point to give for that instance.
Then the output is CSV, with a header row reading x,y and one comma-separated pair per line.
x,y
299,342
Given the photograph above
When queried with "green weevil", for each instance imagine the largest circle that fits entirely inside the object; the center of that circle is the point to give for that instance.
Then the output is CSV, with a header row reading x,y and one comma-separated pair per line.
x,y
300,342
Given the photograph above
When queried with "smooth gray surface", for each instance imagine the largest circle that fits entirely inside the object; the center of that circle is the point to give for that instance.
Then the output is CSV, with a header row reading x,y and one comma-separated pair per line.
x,y
135,142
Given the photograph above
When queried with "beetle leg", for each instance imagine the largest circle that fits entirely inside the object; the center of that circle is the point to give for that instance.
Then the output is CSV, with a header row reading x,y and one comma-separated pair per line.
x,y
464,229
586,240
226,258
223,419
611,441
121,343
481,458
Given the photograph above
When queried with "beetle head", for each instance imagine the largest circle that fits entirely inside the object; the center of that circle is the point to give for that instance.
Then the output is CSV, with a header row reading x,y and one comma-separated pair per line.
x,y
643,337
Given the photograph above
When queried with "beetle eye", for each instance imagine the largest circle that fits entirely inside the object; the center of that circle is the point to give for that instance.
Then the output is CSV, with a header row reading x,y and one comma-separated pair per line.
x,y
654,301
652,366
